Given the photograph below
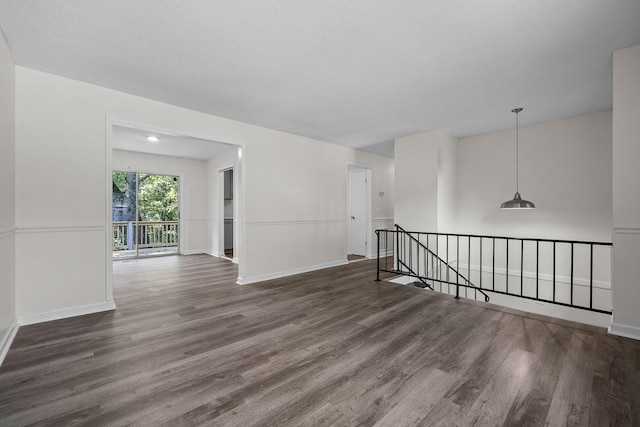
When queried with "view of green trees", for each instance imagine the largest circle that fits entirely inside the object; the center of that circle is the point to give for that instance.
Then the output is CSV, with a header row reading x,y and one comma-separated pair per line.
x,y
157,197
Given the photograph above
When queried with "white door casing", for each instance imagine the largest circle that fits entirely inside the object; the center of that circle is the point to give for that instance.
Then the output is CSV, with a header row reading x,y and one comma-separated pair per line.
x,y
358,212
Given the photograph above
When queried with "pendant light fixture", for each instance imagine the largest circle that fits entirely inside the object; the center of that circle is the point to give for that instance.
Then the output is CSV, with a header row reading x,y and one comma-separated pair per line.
x,y
517,202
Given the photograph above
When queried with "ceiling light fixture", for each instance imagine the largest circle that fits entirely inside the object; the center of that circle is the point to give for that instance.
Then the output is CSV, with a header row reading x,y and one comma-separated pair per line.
x,y
152,138
517,202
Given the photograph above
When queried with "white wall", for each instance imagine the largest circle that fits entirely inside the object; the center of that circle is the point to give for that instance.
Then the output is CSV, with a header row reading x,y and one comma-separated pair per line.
x,y
416,181
626,197
295,206
565,169
426,177
447,182
7,197
295,190
193,191
449,185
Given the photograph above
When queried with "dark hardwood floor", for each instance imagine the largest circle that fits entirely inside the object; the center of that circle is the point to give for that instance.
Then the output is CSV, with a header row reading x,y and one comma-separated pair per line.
x,y
187,346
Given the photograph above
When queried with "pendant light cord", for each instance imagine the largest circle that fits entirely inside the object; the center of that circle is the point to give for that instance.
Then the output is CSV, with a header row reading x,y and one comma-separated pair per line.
x,y
517,111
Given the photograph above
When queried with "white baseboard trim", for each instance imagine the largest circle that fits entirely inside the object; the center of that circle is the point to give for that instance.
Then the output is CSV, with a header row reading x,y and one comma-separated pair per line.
x,y
64,313
382,255
194,252
280,274
7,339
215,254
626,331
222,255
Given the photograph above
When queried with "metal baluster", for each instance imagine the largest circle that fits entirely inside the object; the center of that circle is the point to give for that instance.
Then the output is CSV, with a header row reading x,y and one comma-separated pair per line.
x,y
507,274
403,249
427,257
554,271
493,260
572,273
418,254
480,262
409,262
438,275
458,267
521,267
475,294
448,285
591,276
386,249
397,251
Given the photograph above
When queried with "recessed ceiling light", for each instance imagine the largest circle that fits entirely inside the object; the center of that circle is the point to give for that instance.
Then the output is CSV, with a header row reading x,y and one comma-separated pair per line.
x,y
152,138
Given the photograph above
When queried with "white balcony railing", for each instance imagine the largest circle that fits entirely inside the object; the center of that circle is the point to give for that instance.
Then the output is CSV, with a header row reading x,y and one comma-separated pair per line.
x,y
146,234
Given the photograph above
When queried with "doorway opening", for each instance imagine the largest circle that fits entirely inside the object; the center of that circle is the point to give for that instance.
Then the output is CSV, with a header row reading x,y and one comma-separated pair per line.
x,y
192,157
145,214
226,215
358,212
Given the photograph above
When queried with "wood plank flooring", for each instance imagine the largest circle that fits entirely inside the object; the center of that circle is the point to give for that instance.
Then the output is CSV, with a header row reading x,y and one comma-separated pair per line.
x,y
187,346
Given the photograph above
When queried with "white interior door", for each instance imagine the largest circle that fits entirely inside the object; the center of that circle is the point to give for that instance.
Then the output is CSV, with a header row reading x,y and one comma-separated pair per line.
x,y
358,214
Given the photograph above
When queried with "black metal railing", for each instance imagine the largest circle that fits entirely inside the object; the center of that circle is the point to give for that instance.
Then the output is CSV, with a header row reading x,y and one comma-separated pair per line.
x,y
570,273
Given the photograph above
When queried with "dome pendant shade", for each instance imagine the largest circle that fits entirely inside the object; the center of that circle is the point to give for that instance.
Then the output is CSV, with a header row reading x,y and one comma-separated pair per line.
x,y
517,203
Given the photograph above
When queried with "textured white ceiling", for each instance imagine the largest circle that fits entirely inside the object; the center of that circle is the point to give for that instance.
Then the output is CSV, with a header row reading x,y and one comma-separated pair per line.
x,y
357,73
133,139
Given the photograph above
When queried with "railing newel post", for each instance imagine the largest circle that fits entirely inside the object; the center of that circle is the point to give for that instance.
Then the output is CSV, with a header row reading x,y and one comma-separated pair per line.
x,y
378,256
